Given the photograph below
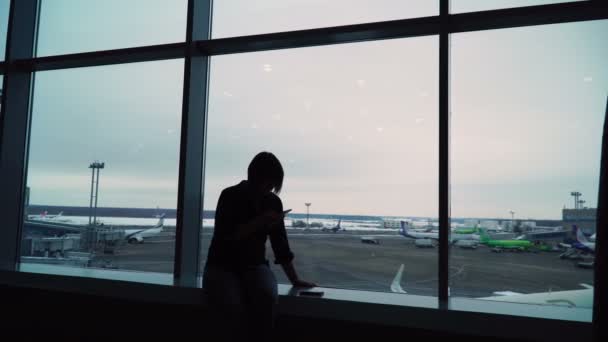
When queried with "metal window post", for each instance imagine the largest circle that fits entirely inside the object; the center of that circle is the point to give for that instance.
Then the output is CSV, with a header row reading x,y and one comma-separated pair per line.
x,y
444,155
192,147
14,127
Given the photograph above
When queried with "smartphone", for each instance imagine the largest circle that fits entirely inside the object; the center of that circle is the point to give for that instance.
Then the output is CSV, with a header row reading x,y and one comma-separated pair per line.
x,y
285,212
311,293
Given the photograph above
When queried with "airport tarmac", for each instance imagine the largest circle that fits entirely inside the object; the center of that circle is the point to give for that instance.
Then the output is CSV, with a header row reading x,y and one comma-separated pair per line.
x,y
342,260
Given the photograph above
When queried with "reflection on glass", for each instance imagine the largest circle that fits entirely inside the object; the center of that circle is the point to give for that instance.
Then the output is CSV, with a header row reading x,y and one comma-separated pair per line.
x,y
462,6
103,167
4,10
243,17
356,129
526,138
71,26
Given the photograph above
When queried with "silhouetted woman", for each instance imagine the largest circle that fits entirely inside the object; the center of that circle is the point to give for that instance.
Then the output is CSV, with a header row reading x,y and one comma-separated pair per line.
x,y
237,278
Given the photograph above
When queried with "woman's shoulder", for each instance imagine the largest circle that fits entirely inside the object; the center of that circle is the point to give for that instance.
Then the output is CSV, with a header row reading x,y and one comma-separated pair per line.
x,y
234,191
274,201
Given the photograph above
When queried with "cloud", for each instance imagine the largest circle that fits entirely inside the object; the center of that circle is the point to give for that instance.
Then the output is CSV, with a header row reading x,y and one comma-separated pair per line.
x,y
361,83
588,79
227,94
308,105
267,67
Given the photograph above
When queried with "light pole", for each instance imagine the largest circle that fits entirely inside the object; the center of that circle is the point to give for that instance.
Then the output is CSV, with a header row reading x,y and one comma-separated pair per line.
x,y
576,196
512,218
95,167
307,213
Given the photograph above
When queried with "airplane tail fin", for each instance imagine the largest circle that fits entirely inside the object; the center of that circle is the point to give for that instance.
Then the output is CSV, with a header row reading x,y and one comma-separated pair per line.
x,y
404,228
161,221
580,237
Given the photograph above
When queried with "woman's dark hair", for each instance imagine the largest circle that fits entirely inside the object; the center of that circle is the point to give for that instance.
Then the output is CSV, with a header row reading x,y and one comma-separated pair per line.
x,y
266,167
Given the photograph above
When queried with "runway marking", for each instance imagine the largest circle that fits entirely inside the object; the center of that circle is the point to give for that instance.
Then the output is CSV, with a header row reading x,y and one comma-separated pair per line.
x,y
396,284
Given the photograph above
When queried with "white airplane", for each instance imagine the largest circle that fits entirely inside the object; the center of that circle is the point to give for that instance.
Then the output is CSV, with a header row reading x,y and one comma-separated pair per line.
x,y
581,238
433,235
44,216
334,229
580,243
134,236
572,298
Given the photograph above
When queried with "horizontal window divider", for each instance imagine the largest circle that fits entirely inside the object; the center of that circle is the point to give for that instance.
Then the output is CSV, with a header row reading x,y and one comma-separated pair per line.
x,y
416,27
528,16
100,58
407,28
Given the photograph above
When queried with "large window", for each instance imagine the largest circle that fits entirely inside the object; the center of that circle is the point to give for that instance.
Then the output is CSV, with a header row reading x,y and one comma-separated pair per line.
x,y
71,26
4,7
268,16
356,129
399,116
527,124
123,121
460,6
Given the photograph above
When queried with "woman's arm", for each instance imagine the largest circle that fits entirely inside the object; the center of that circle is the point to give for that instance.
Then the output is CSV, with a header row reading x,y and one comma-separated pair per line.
x,y
292,275
283,254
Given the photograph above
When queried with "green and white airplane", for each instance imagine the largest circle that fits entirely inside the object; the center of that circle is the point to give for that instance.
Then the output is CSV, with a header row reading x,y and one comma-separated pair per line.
x,y
514,244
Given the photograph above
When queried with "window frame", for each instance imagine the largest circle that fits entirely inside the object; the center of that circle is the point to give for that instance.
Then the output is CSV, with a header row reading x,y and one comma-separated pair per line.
x,y
20,66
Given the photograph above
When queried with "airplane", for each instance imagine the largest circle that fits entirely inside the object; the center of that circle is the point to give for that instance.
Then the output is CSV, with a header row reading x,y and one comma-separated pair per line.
x,y
580,245
335,229
44,216
433,235
471,230
582,239
134,236
571,298
516,244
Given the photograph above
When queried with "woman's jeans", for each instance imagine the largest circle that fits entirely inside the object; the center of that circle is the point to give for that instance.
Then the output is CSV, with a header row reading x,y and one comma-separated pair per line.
x,y
242,302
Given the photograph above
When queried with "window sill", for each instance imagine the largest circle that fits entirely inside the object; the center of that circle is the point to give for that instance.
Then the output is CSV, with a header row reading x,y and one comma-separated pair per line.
x,y
462,315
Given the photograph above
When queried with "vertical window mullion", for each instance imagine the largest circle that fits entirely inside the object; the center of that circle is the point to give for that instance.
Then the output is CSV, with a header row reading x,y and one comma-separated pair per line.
x,y
14,127
444,143
192,147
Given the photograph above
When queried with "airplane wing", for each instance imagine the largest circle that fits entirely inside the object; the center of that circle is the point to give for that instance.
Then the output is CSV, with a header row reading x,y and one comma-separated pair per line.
x,y
572,298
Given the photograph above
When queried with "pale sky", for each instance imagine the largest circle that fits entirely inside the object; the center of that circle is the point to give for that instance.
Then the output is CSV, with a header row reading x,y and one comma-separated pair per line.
x,y
355,125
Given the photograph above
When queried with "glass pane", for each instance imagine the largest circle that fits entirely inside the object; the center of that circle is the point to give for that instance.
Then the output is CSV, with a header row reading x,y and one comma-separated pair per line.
x,y
4,11
526,133
461,6
124,122
71,26
355,128
243,17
